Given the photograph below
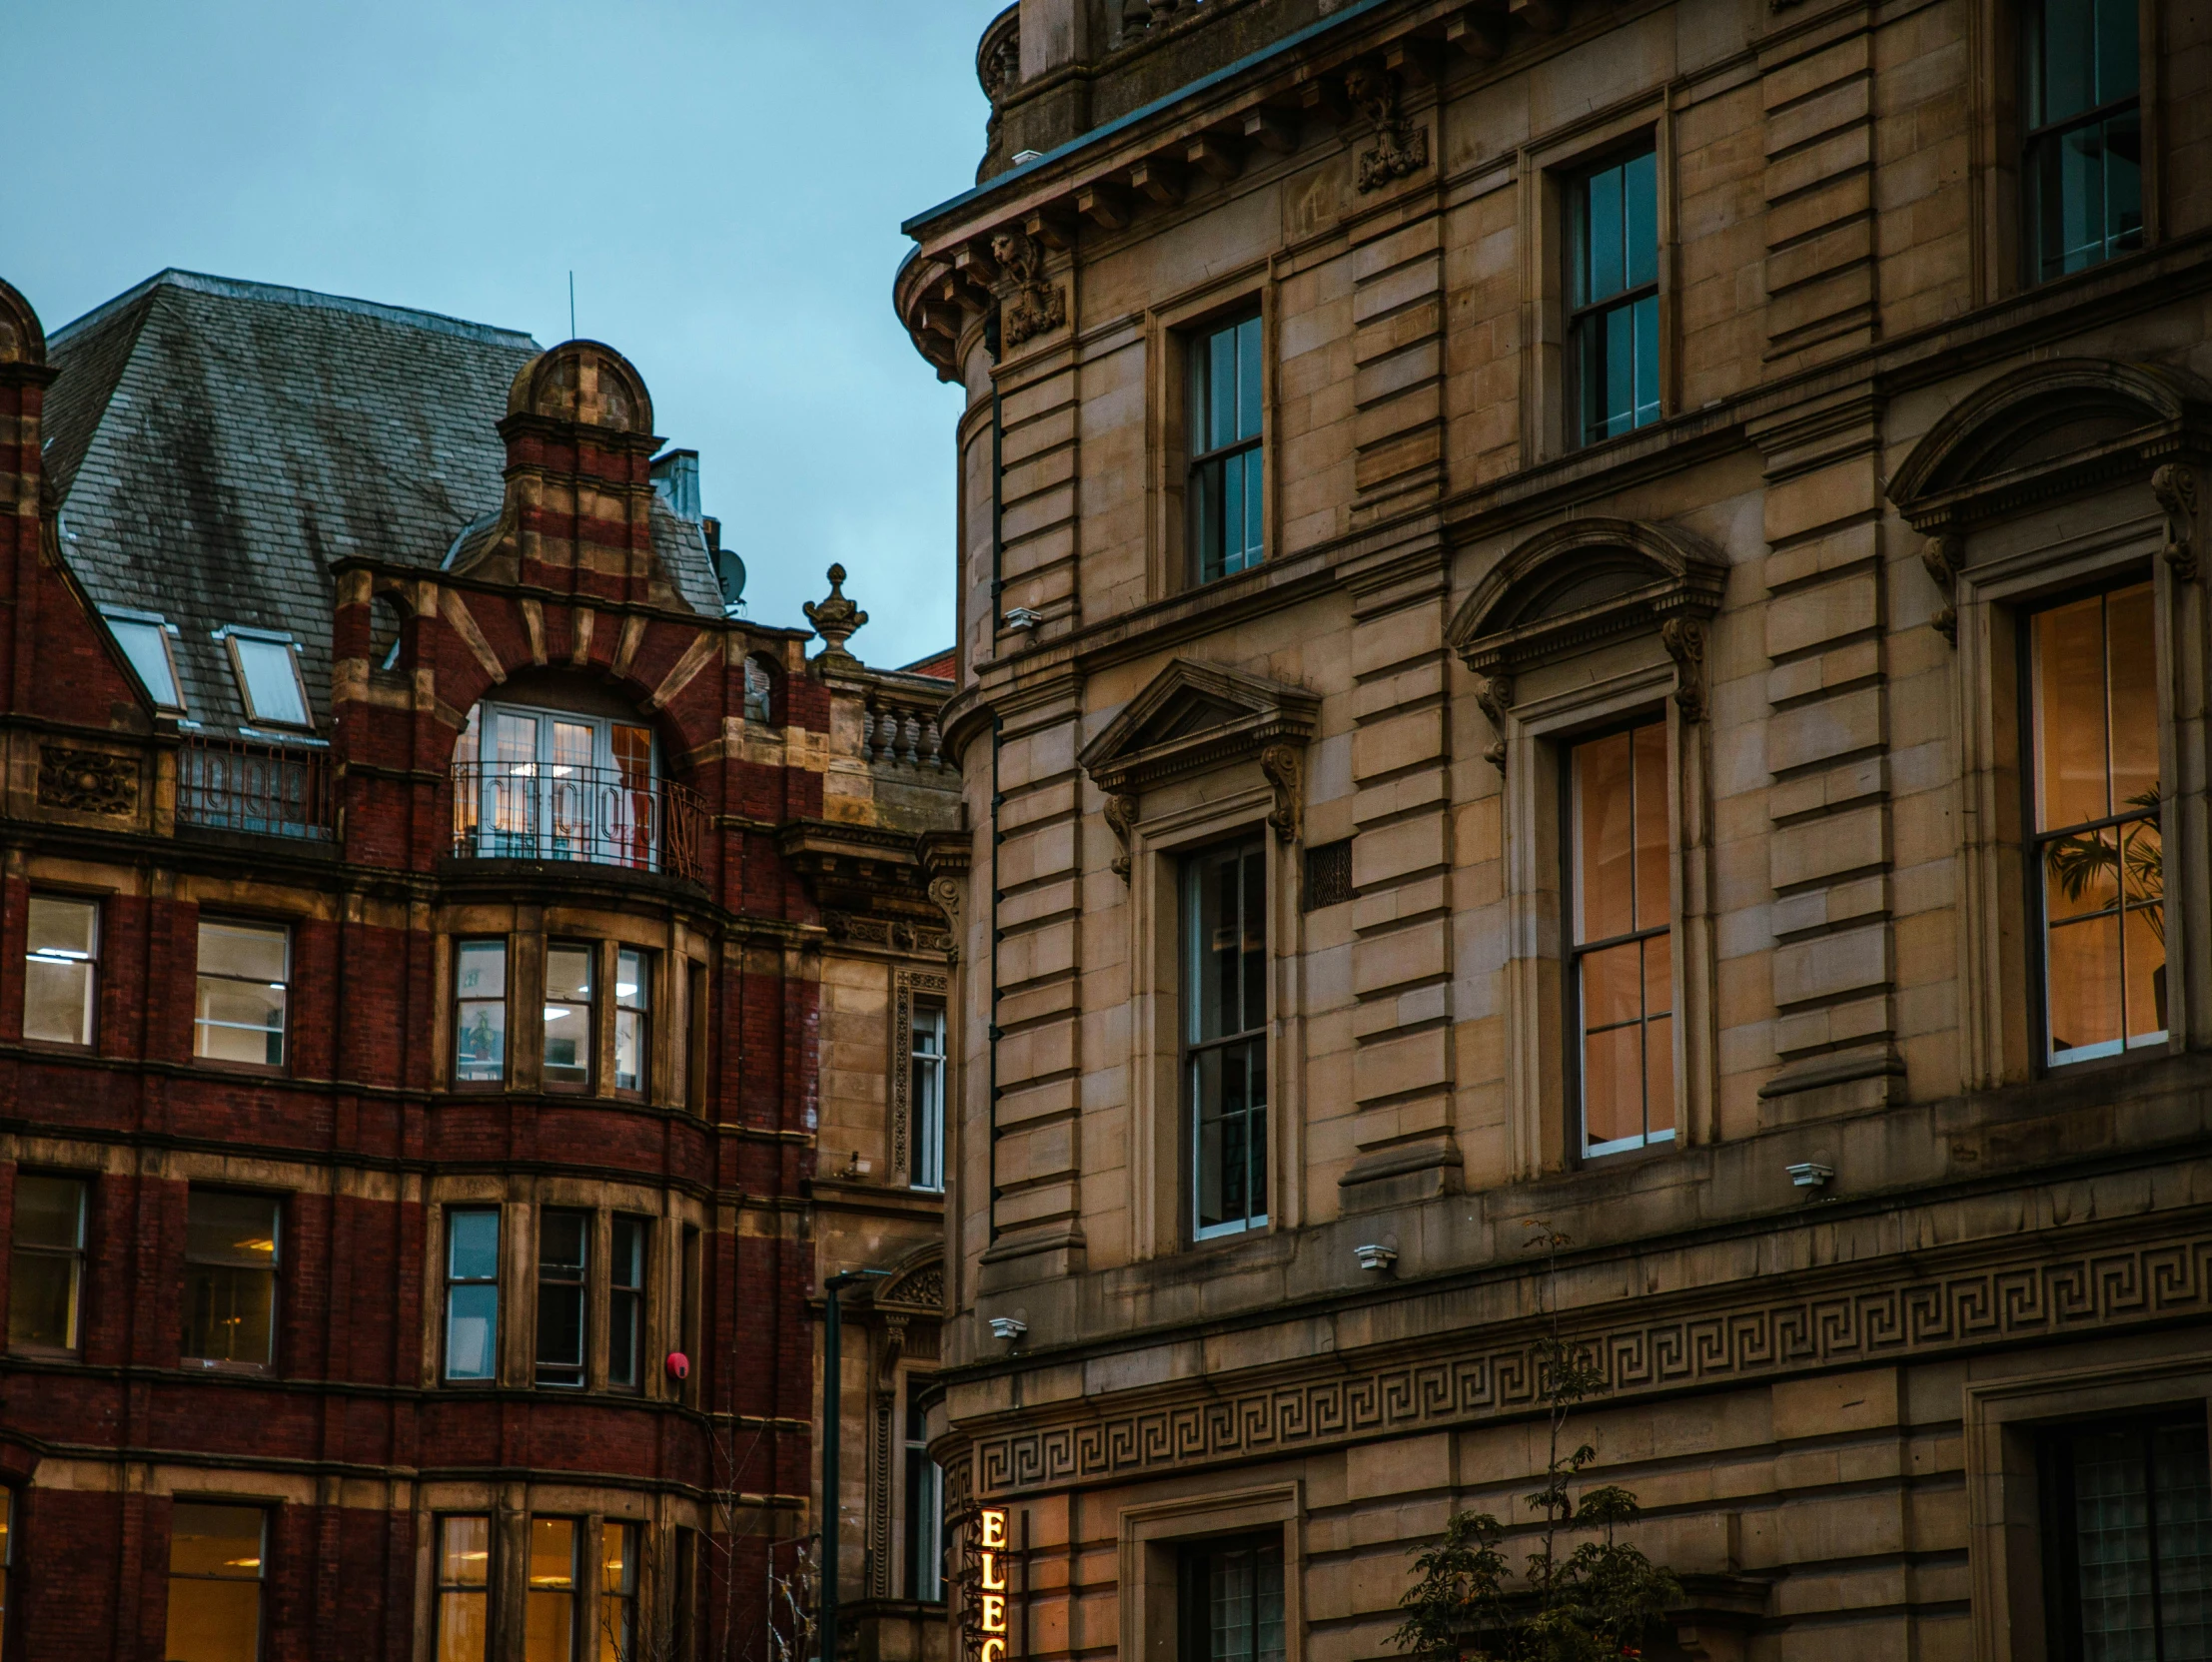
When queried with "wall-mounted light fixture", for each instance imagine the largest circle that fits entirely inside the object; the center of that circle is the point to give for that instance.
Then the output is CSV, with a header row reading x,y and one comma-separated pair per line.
x,y
1008,1328
1376,1259
1811,1173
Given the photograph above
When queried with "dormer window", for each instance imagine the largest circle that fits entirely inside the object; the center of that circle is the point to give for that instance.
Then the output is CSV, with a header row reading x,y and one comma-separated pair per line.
x,y
268,668
144,638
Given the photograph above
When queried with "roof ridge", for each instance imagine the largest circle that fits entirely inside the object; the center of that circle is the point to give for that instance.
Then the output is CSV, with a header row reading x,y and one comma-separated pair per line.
x,y
236,288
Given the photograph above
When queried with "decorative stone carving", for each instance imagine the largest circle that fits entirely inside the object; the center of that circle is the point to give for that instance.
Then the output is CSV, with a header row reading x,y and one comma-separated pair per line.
x,y
2175,486
891,934
1035,307
1401,146
1684,640
944,894
835,619
1495,694
998,60
1859,1315
1121,819
1943,554
87,781
1285,767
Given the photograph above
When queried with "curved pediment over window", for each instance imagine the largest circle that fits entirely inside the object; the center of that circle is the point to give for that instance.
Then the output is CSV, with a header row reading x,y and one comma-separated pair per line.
x,y
1199,716
917,1284
2046,430
1580,584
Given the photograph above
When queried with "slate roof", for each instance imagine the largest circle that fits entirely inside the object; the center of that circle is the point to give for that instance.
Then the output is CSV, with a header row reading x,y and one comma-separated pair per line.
x,y
219,443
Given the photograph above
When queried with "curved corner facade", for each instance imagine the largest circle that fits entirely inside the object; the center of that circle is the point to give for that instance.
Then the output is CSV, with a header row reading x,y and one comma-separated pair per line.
x,y
1592,615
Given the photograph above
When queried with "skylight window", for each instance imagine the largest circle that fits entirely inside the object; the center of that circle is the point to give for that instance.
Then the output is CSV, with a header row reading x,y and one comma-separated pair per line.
x,y
144,638
269,674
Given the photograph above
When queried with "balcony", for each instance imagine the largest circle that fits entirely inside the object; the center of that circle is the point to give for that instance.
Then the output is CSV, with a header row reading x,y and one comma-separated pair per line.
x,y
597,815
269,790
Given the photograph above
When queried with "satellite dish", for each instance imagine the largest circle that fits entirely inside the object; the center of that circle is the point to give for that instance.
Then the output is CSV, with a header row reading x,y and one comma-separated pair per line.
x,y
729,571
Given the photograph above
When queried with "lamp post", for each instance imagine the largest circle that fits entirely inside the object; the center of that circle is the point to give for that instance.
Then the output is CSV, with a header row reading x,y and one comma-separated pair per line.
x,y
832,1423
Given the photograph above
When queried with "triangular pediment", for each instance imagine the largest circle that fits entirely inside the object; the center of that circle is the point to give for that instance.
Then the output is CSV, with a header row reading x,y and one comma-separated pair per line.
x,y
1194,716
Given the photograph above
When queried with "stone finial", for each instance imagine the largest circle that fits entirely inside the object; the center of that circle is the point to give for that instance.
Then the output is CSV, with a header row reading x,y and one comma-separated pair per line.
x,y
836,618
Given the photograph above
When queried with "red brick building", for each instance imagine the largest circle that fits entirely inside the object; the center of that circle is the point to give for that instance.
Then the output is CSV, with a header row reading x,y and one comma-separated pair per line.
x,y
426,891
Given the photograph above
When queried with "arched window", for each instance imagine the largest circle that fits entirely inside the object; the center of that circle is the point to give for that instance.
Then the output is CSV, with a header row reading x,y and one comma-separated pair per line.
x,y
551,784
759,691
387,624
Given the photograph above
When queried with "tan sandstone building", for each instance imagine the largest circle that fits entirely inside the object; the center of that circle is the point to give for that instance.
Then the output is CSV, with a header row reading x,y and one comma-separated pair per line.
x,y
1586,611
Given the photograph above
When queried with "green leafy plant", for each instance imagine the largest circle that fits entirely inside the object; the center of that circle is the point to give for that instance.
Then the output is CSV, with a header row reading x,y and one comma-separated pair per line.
x,y
2135,863
1594,1602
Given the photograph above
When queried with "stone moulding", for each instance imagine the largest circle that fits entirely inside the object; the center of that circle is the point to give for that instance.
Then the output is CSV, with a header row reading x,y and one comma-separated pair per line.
x,y
1845,1318
1196,717
1579,585
2048,430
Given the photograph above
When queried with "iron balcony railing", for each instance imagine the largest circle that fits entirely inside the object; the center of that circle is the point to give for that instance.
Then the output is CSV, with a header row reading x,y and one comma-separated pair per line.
x,y
601,815
271,790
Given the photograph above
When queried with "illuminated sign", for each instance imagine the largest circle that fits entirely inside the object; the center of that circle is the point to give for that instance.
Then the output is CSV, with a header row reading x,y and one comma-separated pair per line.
x,y
989,1591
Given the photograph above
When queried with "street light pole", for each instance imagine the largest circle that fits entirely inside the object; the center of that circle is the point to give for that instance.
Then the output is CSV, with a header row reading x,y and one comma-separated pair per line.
x,y
832,1423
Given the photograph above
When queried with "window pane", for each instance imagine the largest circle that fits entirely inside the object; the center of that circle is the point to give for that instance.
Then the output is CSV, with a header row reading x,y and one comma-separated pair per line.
x,y
57,1000
2145,970
479,970
472,1331
1604,828
1254,502
2112,1538
618,1592
569,973
1221,388
61,928
2070,714
1654,893
627,1303
48,1211
2068,60
272,681
1658,975
1613,986
473,1244
1206,525
143,644
481,1040
1232,514
1613,1085
1248,379
2132,653
240,1021
463,1626
1645,405
215,1570
243,950
562,1242
465,1552
514,738
2182,1510
2084,974
1229,1088
43,1290
1639,190
632,984
549,1627
2119,62
228,1313
1659,1077
1608,269
232,1228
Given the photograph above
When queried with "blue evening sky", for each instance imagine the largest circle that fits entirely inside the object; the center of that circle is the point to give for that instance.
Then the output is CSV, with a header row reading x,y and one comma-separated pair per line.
x,y
726,179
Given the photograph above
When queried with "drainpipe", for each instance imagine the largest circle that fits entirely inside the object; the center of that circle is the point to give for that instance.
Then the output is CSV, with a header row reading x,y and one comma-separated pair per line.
x,y
832,1423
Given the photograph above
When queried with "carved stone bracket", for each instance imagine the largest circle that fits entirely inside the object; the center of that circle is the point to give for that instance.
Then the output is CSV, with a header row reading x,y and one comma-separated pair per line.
x,y
1495,694
1121,819
2175,486
1943,554
1035,307
1285,767
1401,146
87,781
1684,640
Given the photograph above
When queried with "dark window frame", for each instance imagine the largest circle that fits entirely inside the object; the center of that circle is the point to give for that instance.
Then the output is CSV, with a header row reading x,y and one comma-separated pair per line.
x,y
258,1581
2060,1540
1586,315
629,1300
589,1005
1193,1566
1256,1220
924,1480
580,1283
1203,461
274,1271
637,1006
2037,139
79,1260
928,1140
